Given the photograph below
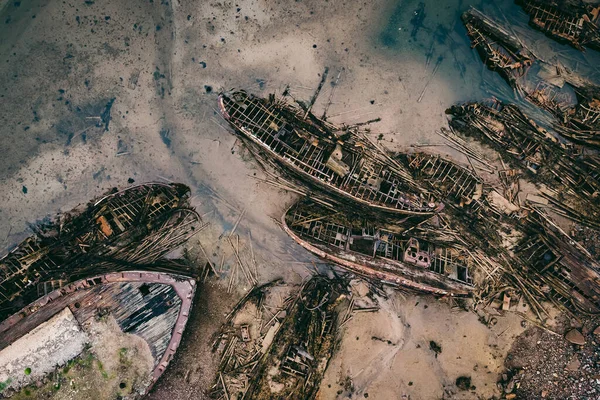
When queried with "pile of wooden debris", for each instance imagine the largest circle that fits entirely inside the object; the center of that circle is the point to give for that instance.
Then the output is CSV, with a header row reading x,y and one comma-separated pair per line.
x,y
277,341
129,229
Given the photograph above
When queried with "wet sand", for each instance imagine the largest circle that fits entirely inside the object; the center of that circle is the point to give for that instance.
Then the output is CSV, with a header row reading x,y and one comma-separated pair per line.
x,y
164,62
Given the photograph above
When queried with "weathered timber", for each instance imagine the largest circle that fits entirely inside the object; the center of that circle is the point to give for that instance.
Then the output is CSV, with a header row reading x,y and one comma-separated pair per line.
x,y
567,21
337,160
151,305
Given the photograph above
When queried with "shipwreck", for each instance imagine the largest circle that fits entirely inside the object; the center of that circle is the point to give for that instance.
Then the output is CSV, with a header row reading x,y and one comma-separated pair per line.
x,y
572,100
144,312
337,160
572,179
127,229
283,353
567,21
498,49
393,254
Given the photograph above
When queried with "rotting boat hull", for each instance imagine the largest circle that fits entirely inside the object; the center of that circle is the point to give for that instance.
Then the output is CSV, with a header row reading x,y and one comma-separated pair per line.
x,y
361,184
128,229
393,271
154,306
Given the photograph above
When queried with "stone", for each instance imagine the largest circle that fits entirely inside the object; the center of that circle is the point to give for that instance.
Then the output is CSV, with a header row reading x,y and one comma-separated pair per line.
x,y
361,289
575,337
573,365
597,330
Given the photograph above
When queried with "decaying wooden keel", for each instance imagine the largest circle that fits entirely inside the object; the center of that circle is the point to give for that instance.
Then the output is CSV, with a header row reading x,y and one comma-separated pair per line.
x,y
123,230
151,305
498,49
282,353
381,252
567,21
334,159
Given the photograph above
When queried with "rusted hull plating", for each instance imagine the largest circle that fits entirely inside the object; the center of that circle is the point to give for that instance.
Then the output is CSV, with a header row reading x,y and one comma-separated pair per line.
x,y
342,165
68,296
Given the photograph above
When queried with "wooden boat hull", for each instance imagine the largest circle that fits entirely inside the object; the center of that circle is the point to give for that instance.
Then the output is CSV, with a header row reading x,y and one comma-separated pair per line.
x,y
321,184
116,232
158,318
396,272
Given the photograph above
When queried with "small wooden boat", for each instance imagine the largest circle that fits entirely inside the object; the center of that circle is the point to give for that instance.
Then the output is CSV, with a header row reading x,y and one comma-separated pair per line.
x,y
333,159
381,252
149,306
498,49
123,229
566,21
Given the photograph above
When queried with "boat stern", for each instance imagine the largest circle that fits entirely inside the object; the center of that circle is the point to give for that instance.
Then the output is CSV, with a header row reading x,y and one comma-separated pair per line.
x,y
222,108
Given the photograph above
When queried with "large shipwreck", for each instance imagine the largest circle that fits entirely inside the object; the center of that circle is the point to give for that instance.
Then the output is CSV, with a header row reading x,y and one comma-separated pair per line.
x,y
385,253
143,314
567,21
128,229
336,160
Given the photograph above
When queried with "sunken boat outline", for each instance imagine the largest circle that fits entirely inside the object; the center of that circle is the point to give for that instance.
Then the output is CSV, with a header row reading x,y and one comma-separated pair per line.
x,y
184,287
498,50
384,172
418,276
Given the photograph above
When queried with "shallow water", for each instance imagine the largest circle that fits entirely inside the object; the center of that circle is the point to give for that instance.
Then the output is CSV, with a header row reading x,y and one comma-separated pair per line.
x,y
432,32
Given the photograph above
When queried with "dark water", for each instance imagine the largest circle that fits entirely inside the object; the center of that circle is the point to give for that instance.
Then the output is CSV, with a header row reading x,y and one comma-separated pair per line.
x,y
432,32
